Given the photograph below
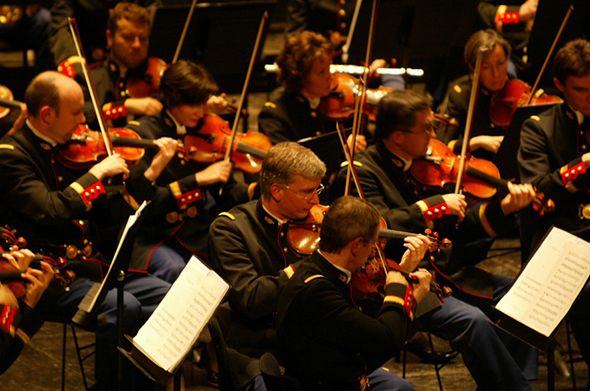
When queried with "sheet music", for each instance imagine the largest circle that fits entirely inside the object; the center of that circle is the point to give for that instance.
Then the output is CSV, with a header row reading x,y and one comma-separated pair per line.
x,y
546,289
173,328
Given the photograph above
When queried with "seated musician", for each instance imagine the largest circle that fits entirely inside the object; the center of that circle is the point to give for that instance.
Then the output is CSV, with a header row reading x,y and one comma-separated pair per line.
x,y
188,191
554,156
304,72
327,343
20,320
404,130
514,23
486,137
52,205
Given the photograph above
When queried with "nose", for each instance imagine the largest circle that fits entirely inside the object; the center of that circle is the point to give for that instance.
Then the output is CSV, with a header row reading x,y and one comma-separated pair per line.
x,y
315,199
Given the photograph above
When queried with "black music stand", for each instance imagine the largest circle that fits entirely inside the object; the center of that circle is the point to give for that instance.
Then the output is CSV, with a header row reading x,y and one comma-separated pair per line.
x,y
221,36
327,147
506,158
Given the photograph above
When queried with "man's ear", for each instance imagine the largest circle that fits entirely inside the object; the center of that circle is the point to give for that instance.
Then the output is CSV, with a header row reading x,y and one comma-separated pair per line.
x,y
109,38
47,114
276,192
355,244
559,85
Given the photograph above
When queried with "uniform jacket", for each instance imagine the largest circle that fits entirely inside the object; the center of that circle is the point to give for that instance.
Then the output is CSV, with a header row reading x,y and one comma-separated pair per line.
x,y
551,146
328,343
17,326
181,209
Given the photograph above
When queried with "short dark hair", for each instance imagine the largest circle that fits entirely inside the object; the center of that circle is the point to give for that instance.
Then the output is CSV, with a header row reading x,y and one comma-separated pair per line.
x,y
397,111
186,83
43,91
483,39
296,59
128,11
284,161
348,218
573,59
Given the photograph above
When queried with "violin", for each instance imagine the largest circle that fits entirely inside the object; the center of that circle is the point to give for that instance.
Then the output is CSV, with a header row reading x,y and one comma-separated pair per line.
x,y
345,90
148,84
516,93
87,147
440,167
212,138
7,101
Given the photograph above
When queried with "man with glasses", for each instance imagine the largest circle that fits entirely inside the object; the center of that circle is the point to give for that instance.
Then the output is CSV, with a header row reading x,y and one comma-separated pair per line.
x,y
404,130
249,245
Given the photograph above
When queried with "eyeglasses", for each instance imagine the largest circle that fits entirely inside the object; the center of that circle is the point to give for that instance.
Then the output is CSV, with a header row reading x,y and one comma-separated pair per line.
x,y
307,194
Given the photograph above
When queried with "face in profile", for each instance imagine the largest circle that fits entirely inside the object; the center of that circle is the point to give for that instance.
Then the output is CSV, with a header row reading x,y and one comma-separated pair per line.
x,y
189,115
70,115
129,43
414,143
296,199
318,80
576,91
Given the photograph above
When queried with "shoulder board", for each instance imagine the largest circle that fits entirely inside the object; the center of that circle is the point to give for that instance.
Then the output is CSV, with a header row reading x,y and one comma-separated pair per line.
x,y
535,118
457,88
7,146
311,278
356,163
270,105
136,123
228,215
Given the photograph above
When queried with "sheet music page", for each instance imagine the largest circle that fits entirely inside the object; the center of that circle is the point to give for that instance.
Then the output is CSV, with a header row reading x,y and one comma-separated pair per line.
x,y
173,328
546,289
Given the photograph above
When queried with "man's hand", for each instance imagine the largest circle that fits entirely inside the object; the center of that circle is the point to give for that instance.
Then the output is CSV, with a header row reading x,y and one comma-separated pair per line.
x,y
489,143
109,167
528,10
217,103
216,172
519,197
167,151
37,282
360,143
456,204
143,106
423,286
416,249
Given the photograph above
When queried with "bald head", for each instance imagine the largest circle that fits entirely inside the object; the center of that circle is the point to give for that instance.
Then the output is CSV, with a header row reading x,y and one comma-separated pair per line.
x,y
46,89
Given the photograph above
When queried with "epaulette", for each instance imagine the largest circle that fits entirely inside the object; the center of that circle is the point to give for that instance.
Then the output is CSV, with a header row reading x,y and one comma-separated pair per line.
x,y
535,117
457,88
311,278
270,105
7,146
228,215
356,163
136,123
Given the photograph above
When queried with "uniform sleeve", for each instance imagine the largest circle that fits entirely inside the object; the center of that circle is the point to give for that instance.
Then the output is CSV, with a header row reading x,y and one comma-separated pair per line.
x,y
61,42
273,124
251,294
456,107
297,15
16,329
27,193
497,16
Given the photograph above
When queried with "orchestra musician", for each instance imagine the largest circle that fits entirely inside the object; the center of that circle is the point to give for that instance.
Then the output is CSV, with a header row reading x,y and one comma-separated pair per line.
x,y
49,204
514,23
327,343
554,156
20,320
486,137
187,196
404,130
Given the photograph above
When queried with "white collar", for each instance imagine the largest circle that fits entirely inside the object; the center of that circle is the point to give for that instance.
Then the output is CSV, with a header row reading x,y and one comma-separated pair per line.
x,y
43,137
280,221
180,129
343,270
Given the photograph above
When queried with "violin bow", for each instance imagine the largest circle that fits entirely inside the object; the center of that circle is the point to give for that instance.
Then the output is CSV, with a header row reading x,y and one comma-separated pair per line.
x,y
360,100
469,120
550,53
187,23
355,16
76,37
234,129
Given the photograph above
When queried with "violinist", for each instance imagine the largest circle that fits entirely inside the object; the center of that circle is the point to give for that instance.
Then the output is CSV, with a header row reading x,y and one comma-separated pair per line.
x,y
404,129
20,319
327,343
554,156
304,72
486,137
49,204
187,192
248,245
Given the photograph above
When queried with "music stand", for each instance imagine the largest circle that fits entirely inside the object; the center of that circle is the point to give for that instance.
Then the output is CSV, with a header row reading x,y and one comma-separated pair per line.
x,y
221,36
506,157
327,147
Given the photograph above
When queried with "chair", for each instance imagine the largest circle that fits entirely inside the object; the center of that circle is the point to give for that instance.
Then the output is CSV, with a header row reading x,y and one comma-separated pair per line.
x,y
79,353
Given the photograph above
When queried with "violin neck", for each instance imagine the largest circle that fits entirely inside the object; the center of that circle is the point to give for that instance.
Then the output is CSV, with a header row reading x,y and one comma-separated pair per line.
x,y
14,104
131,142
486,178
256,152
394,234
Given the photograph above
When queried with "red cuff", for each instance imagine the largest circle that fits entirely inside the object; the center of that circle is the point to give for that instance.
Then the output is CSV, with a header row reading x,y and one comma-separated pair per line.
x,y
92,192
507,18
409,301
569,174
7,316
112,112
67,68
433,212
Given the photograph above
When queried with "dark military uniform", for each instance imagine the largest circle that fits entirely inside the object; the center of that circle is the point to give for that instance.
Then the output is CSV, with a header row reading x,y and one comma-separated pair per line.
x,y
181,209
39,199
290,117
551,147
505,20
17,326
327,342
456,106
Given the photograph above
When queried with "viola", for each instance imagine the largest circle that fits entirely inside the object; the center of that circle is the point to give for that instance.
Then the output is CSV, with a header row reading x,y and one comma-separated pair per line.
x,y
303,237
7,101
516,93
212,138
339,104
148,84
87,147
440,167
